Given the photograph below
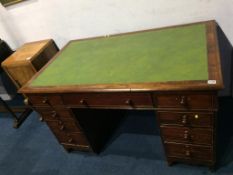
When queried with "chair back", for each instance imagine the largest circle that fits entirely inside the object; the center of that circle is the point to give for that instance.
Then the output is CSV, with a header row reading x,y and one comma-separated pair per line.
x,y
7,88
5,51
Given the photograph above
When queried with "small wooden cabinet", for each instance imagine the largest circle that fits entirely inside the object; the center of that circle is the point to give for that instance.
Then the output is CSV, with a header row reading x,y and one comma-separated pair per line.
x,y
28,59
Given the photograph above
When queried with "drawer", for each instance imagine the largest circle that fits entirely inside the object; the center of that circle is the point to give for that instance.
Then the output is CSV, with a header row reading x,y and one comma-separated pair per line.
x,y
57,114
193,152
198,101
109,99
195,119
45,100
187,135
64,126
70,138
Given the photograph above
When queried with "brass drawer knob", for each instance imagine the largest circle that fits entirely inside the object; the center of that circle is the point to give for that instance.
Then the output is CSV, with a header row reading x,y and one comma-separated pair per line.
x,y
62,128
183,100
45,100
196,116
54,114
128,102
187,153
186,134
70,140
26,101
184,119
83,102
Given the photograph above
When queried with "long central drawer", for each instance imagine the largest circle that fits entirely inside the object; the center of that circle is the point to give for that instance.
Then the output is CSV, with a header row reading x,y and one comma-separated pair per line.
x,y
109,99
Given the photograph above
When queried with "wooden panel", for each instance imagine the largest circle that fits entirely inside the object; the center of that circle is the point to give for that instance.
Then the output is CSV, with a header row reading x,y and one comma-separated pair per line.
x,y
45,56
198,101
187,135
195,119
191,152
109,99
21,74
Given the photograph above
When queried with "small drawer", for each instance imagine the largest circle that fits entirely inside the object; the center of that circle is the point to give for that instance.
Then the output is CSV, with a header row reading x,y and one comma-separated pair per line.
x,y
187,135
195,119
191,152
45,100
188,101
64,126
55,114
127,100
48,115
71,138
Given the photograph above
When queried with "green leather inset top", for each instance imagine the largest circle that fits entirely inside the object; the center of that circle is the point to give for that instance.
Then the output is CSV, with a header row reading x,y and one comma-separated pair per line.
x,y
173,54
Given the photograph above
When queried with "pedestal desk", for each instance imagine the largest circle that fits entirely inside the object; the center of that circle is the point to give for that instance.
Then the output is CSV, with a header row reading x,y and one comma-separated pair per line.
x,y
83,91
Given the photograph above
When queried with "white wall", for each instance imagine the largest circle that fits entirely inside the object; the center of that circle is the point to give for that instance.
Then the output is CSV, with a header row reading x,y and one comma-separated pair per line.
x,y
224,17
65,20
4,34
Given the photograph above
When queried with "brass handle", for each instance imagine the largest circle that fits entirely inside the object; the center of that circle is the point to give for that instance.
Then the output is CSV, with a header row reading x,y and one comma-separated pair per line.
x,y
54,114
128,102
183,100
45,100
184,119
188,153
186,134
26,102
83,102
70,140
196,116
62,127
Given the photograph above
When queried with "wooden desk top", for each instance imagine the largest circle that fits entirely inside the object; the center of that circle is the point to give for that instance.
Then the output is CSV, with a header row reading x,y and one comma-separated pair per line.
x,y
182,57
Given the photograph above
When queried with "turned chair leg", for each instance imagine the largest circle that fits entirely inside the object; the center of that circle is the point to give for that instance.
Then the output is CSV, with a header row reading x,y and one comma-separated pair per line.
x,y
20,119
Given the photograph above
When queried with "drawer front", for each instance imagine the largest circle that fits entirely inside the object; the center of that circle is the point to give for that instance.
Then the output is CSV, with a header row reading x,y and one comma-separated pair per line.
x,y
109,99
187,135
193,152
195,119
198,101
64,126
55,114
70,138
45,100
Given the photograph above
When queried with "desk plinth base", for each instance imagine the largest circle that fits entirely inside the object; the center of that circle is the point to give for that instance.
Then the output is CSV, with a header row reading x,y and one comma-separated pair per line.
x,y
172,161
71,147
